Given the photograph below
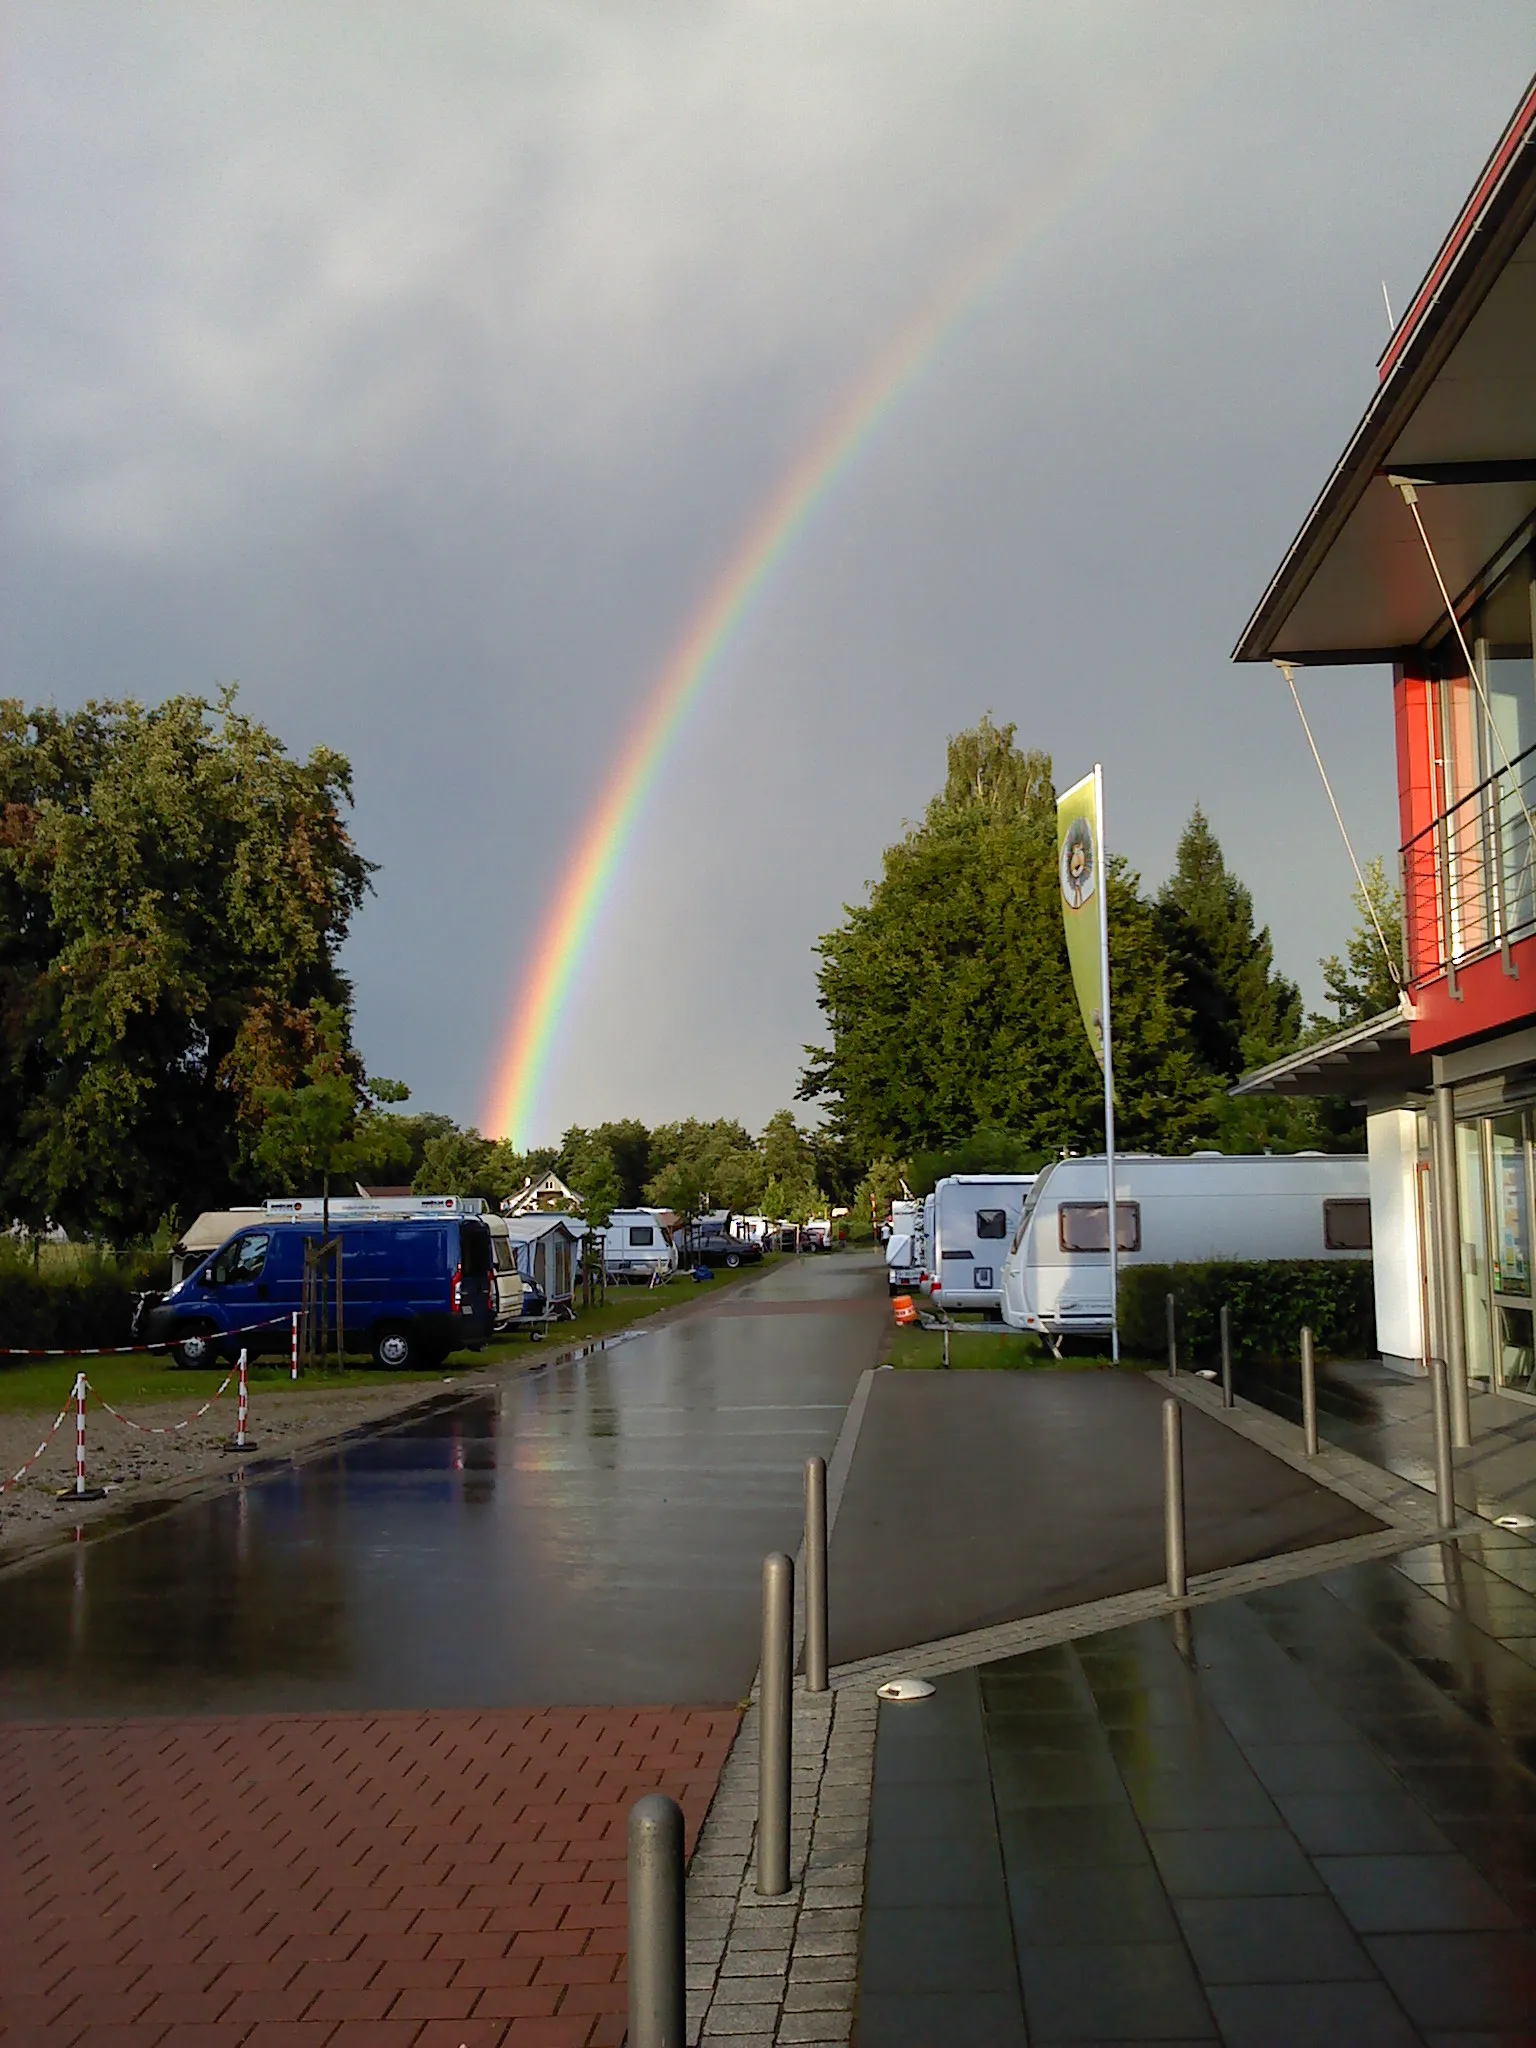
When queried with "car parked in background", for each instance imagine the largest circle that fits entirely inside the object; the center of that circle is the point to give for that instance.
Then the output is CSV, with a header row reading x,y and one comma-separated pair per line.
x,y
713,1244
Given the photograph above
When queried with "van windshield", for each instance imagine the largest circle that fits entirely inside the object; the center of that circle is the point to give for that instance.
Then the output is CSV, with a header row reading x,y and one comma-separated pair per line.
x,y
242,1260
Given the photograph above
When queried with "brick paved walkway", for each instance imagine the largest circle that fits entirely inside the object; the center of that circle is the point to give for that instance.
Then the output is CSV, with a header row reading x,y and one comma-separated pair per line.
x,y
383,1879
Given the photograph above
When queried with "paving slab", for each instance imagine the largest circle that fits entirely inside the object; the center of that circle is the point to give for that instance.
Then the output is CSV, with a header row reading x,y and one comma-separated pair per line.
x,y
1305,1813
419,1878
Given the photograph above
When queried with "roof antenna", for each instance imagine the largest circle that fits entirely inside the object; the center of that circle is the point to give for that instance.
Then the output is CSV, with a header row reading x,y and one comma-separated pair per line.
x,y
1388,304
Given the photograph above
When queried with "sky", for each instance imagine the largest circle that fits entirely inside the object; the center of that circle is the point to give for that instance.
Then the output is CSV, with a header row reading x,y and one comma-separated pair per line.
x,y
420,369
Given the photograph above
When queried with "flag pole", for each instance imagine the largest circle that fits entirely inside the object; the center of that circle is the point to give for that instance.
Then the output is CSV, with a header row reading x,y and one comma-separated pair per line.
x,y
1109,1070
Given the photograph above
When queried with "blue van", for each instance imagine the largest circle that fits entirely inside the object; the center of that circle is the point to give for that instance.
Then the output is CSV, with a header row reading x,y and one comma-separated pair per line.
x,y
412,1290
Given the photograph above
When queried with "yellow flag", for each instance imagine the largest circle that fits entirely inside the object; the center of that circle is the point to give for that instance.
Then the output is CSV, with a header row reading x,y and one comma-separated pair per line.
x,y
1079,868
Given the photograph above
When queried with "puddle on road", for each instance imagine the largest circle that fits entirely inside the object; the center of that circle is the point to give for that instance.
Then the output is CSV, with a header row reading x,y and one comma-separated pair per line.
x,y
589,1534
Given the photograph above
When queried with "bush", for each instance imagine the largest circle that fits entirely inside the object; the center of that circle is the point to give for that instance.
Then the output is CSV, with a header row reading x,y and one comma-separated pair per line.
x,y
72,1297
1272,1301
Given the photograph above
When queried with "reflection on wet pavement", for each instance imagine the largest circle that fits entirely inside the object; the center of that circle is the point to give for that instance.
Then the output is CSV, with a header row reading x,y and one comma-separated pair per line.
x,y
591,1533
1307,1814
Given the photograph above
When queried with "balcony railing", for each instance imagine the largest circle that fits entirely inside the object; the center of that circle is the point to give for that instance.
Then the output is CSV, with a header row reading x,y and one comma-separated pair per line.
x,y
1469,879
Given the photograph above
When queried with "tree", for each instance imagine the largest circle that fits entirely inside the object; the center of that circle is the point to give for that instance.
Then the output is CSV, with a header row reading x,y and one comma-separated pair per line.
x,y
1241,1011
1365,982
949,999
174,891
331,1124
716,1161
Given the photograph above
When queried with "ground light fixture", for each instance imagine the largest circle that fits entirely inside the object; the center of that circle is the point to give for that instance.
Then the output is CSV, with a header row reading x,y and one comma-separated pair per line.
x,y
904,1689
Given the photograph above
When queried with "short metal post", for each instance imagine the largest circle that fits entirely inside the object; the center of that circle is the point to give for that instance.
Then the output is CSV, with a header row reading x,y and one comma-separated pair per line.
x,y
815,1574
1173,1340
1445,1468
946,1349
1173,1499
657,2004
1226,1355
774,1726
1308,1395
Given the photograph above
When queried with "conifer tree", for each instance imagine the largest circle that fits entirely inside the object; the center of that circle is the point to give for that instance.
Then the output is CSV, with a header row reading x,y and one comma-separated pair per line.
x,y
1241,1011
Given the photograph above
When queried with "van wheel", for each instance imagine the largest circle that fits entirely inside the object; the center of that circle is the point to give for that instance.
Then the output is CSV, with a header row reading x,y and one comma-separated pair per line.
x,y
196,1347
733,1259
395,1348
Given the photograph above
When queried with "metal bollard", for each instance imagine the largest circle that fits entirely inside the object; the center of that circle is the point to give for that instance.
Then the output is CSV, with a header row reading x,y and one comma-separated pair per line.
x,y
773,1714
946,1348
1173,1499
657,2004
1173,1340
1308,1395
1226,1356
1445,1466
816,1575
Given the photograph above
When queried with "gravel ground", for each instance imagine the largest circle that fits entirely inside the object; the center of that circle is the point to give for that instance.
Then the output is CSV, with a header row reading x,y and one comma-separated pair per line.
x,y
134,1466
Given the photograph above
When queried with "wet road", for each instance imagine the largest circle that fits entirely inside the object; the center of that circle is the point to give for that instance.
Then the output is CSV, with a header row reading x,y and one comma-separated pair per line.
x,y
590,1534
978,1498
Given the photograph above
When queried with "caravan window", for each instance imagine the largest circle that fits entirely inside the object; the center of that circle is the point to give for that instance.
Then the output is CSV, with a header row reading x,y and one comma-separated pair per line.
x,y
642,1234
1084,1226
1347,1226
991,1222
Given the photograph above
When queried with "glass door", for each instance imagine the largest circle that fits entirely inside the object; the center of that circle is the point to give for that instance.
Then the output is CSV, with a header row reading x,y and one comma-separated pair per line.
x,y
1477,1300
1509,1189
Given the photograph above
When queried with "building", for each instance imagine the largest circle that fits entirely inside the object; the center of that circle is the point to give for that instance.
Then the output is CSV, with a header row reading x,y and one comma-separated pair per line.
x,y
539,1197
1420,552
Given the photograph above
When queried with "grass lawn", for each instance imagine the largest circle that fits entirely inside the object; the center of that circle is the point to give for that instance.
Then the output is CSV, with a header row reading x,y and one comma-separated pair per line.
x,y
990,1349
46,1382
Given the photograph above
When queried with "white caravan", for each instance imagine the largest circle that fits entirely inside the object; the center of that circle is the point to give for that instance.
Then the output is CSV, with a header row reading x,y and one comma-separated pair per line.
x,y
902,1267
974,1218
1295,1205
637,1245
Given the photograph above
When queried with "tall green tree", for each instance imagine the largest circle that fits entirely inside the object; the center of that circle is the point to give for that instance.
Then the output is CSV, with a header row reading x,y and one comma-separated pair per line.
x,y
1241,1011
317,1137
174,892
948,997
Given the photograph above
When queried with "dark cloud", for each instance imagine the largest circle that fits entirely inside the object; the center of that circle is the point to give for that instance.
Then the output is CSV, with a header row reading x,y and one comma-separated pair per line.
x,y
420,370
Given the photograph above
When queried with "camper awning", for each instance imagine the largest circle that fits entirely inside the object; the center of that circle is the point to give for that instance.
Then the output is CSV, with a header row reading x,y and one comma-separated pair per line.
x,y
1370,1063
1455,412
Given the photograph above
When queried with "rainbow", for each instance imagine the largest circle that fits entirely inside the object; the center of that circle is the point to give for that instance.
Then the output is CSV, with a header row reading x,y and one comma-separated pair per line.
x,y
568,923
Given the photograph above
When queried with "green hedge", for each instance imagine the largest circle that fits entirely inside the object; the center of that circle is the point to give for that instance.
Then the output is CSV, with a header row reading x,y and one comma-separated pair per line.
x,y
1272,1301
72,1296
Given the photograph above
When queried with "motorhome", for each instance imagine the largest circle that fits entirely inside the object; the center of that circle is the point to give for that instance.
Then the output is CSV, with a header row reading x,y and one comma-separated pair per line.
x,y
1296,1205
974,1218
637,1245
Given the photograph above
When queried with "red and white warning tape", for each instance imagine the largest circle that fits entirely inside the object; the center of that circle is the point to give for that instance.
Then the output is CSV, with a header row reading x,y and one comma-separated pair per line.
x,y
17,1477
161,1429
139,1350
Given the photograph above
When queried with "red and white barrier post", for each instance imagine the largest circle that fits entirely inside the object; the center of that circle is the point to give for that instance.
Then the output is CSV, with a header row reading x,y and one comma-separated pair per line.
x,y
293,1356
80,1491
240,1441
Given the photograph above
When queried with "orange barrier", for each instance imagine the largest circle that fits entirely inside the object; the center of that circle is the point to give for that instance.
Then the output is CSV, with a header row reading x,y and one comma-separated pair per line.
x,y
905,1308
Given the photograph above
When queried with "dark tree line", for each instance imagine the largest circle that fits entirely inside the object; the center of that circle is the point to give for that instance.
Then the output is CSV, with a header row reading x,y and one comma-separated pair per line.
x,y
954,1030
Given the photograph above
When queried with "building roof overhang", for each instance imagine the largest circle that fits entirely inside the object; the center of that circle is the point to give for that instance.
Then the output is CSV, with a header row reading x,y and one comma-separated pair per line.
x,y
1371,1063
1455,411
